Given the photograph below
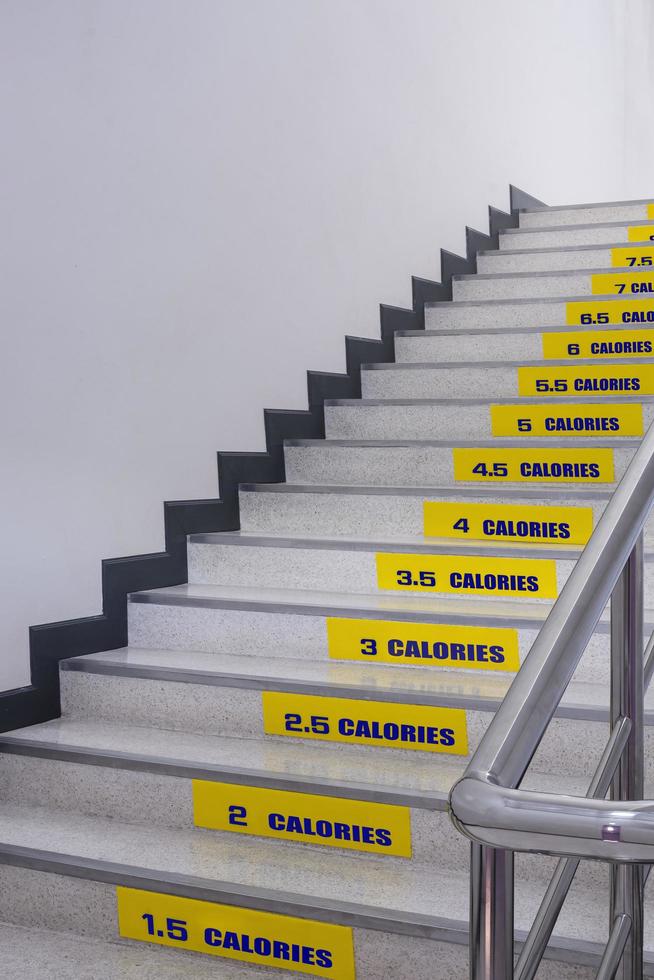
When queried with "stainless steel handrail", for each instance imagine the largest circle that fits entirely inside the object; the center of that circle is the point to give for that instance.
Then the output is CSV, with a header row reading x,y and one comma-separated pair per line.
x,y
486,803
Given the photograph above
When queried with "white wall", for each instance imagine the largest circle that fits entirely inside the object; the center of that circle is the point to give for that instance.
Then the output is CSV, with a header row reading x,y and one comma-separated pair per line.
x,y
199,198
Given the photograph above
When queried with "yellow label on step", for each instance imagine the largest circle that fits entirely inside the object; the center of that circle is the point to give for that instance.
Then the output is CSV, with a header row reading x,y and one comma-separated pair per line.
x,y
383,724
355,825
508,522
520,465
423,644
632,257
567,420
468,575
598,343
650,211
318,949
628,311
640,233
622,284
586,379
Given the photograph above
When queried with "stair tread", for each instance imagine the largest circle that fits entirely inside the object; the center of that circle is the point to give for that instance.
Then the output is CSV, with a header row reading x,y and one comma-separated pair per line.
x,y
583,492
312,602
502,365
308,879
456,686
414,543
41,954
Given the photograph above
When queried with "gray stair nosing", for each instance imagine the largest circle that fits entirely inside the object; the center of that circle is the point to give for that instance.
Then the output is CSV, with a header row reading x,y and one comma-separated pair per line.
x,y
593,493
418,925
534,300
572,711
622,223
499,365
236,539
578,207
134,762
556,273
587,400
492,331
565,248
504,443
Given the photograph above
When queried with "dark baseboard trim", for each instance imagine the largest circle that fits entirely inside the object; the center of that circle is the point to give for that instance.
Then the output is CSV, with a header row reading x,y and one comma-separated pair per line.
x,y
52,642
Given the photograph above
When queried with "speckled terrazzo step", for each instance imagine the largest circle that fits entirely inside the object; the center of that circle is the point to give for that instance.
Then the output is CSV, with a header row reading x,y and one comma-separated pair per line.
x,y
225,695
582,214
603,344
580,379
389,512
146,776
42,954
528,285
401,925
419,463
367,566
559,236
524,313
568,257
481,418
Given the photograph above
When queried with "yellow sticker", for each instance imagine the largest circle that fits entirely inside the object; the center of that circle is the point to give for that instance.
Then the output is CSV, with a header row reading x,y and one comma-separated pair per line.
x,y
632,257
589,312
640,233
384,724
567,420
586,379
423,644
650,211
468,575
598,343
508,522
319,949
623,284
354,825
509,465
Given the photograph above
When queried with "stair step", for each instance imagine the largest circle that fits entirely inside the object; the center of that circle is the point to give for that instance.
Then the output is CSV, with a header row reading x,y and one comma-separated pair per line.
x,y
558,236
584,379
599,344
149,776
394,512
543,312
217,695
419,463
42,954
637,283
366,566
484,417
587,214
61,870
553,259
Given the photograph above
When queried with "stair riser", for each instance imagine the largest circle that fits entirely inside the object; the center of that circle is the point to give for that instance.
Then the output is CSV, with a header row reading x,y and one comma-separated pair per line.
x,y
398,466
442,421
556,260
367,515
238,712
639,211
531,287
564,237
287,635
88,908
315,568
494,381
525,314
155,800
514,346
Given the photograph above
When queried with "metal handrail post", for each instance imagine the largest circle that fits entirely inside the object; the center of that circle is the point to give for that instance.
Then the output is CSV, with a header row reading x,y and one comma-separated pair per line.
x,y
627,700
491,913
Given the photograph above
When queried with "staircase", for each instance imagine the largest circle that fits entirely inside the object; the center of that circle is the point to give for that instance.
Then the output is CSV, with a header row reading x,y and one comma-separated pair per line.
x,y
259,781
